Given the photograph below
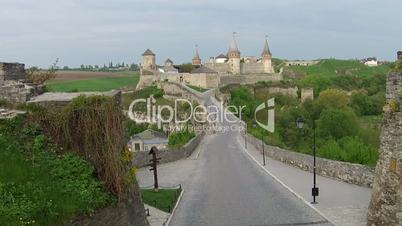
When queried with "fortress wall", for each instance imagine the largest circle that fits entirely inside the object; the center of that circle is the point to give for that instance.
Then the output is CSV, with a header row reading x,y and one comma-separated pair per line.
x,y
284,91
248,79
386,200
394,87
251,68
218,67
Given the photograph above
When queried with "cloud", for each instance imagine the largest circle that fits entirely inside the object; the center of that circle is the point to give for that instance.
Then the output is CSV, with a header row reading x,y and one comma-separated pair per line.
x,y
96,31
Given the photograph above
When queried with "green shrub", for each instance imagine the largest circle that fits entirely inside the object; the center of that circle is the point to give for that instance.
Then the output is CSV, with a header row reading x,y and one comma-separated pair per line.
x,y
349,149
40,187
179,139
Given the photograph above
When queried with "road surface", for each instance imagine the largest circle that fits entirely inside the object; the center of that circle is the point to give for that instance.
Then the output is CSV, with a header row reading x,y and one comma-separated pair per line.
x,y
223,186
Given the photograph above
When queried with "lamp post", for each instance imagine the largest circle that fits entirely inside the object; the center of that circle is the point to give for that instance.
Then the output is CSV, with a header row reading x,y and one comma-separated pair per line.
x,y
315,190
262,145
245,135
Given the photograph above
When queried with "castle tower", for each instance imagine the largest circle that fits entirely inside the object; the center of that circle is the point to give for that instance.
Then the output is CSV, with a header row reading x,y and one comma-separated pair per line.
x,y
234,57
148,61
196,61
267,58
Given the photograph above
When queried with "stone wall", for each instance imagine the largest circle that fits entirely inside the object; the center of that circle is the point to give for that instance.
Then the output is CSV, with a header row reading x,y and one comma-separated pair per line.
x,y
141,159
248,79
394,87
251,68
386,200
271,90
178,90
218,67
347,172
51,99
12,71
13,86
306,94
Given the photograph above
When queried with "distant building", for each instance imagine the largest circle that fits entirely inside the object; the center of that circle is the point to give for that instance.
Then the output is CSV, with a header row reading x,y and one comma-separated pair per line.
x,y
168,67
371,62
221,58
233,63
301,62
147,139
399,55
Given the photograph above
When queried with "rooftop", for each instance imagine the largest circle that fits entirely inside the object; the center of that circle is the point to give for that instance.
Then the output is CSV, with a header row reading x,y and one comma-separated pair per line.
x,y
203,69
148,52
150,136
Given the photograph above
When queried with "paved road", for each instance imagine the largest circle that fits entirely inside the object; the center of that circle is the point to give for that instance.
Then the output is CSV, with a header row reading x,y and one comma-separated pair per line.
x,y
223,186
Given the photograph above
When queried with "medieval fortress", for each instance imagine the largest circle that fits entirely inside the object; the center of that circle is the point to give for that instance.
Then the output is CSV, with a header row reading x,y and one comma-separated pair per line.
x,y
231,68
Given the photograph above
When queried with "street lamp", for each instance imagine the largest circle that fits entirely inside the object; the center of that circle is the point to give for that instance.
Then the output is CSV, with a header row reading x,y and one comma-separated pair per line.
x,y
262,144
315,190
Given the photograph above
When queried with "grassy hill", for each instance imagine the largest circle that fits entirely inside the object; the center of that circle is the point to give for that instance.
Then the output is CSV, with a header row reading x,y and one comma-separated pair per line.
x,y
334,67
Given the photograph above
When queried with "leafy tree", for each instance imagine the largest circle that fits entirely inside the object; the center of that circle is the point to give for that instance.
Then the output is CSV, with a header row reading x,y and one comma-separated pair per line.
x,y
41,76
242,97
186,68
337,123
317,82
334,98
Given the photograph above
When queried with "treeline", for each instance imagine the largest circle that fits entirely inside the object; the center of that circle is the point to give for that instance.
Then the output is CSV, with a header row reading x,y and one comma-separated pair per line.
x,y
109,67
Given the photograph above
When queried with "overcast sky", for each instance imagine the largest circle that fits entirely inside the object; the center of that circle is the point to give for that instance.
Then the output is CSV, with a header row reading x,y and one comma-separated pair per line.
x,y
36,32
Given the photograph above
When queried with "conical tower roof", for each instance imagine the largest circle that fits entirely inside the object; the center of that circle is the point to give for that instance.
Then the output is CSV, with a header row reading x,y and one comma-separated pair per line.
x,y
196,55
266,50
233,45
148,52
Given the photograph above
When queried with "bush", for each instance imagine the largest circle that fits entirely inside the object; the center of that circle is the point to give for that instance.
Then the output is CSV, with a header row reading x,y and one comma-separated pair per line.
x,y
349,149
93,127
179,139
39,187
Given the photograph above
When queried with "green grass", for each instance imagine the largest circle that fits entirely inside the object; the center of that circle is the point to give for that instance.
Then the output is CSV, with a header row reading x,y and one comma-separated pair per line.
x,y
96,84
40,187
163,199
197,88
332,67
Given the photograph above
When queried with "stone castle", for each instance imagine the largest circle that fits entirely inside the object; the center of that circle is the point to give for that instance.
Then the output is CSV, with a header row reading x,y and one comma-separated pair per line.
x,y
223,69
386,202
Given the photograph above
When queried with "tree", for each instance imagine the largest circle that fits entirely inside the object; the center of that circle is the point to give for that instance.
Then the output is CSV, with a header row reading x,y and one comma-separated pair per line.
x,y
333,98
186,68
337,123
41,76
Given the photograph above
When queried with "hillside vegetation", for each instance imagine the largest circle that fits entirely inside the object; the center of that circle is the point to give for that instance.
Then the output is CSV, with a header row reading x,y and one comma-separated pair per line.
x,y
39,186
346,111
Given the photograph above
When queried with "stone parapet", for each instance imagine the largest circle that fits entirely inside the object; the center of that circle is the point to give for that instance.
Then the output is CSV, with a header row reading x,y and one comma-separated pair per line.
x,y
141,158
344,171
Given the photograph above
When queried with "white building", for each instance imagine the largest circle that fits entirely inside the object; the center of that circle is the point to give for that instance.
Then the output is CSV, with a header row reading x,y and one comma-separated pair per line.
x,y
147,139
371,62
